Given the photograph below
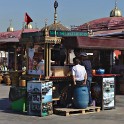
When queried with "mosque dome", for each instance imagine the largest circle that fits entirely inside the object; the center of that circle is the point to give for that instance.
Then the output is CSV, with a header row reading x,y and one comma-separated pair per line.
x,y
10,29
114,22
29,26
115,12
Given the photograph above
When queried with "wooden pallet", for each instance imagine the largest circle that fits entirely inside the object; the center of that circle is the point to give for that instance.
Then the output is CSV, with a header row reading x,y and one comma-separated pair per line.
x,y
72,111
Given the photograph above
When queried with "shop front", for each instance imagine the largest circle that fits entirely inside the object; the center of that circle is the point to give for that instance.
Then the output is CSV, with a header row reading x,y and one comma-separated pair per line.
x,y
101,51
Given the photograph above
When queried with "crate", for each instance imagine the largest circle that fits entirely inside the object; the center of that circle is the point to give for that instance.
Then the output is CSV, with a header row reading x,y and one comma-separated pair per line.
x,y
71,111
60,70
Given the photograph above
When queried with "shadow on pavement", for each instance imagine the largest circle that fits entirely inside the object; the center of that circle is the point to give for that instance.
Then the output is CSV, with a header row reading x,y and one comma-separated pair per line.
x,y
4,104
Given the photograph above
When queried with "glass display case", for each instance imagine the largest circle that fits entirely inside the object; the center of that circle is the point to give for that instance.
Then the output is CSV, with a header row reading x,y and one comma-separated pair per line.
x,y
103,90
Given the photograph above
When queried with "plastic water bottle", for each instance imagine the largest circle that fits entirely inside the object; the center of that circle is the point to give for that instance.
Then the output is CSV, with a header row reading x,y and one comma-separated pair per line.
x,y
94,103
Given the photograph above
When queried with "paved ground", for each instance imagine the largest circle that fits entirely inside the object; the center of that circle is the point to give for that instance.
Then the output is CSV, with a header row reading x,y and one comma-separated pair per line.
x,y
7,116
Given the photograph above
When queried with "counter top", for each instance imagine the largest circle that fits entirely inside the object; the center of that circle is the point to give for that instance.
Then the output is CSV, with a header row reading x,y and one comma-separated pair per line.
x,y
105,75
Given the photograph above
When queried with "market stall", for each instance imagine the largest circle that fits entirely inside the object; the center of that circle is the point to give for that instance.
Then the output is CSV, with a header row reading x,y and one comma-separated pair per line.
x,y
41,43
101,57
101,51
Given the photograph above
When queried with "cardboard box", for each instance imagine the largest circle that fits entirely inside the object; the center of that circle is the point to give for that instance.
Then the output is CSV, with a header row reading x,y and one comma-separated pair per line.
x,y
60,70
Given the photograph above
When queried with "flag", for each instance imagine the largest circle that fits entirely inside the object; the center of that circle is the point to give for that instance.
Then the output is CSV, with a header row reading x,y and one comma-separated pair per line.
x,y
27,19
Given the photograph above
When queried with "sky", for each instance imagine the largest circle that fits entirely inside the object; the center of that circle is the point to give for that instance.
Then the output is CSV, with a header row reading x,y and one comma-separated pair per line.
x,y
69,12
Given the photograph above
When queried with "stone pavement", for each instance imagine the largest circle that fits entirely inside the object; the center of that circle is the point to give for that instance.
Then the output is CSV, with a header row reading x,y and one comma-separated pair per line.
x,y
7,116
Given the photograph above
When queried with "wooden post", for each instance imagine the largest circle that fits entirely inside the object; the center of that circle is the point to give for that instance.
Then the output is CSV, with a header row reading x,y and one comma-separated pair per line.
x,y
27,57
68,56
15,58
47,60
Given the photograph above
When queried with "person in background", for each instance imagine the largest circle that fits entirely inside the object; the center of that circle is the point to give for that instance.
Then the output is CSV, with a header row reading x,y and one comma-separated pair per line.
x,y
116,69
79,73
77,52
87,64
40,66
62,55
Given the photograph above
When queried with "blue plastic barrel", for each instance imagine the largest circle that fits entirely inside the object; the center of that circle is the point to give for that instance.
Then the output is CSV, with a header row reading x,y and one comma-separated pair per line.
x,y
81,97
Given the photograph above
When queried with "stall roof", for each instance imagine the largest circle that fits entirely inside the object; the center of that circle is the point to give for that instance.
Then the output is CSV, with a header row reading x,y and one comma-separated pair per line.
x,y
7,39
14,36
93,42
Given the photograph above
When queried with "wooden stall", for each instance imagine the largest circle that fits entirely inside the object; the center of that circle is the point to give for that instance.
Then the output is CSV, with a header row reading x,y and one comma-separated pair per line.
x,y
42,46
33,45
100,50
103,49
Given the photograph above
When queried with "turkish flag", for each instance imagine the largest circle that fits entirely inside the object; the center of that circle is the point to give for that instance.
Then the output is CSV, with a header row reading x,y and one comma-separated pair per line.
x,y
27,19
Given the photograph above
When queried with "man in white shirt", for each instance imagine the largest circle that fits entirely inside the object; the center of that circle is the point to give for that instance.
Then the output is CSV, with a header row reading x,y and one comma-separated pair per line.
x,y
79,73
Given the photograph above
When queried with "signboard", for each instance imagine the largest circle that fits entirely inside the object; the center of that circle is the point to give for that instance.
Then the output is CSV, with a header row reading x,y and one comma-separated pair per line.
x,y
39,100
53,32
67,33
108,92
35,65
103,92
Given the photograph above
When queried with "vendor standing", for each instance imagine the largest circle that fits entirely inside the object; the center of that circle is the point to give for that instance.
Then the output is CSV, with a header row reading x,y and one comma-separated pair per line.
x,y
87,64
79,73
40,66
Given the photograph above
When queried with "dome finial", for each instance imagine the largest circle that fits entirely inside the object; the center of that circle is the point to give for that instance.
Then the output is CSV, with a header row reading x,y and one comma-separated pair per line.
x,y
46,22
116,3
10,22
55,14
46,31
